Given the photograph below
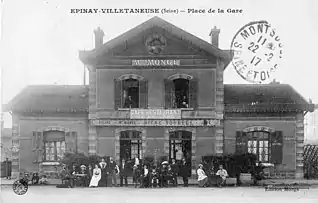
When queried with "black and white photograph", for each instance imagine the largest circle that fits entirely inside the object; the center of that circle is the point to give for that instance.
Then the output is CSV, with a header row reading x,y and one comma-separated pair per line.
x,y
158,101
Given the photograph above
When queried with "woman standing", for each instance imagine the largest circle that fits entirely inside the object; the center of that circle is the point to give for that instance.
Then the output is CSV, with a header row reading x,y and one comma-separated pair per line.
x,y
97,173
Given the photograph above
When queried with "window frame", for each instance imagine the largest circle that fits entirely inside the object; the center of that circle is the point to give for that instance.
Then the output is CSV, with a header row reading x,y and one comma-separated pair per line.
x,y
55,151
251,137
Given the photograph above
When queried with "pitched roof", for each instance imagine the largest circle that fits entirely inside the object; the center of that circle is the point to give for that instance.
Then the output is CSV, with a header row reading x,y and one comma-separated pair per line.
x,y
86,56
269,97
51,98
237,98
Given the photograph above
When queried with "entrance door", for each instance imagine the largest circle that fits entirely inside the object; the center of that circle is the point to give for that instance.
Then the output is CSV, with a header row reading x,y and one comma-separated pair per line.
x,y
130,145
180,145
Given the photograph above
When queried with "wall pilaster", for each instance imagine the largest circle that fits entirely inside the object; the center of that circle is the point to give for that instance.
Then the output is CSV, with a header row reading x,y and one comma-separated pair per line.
x,y
299,145
219,132
15,150
92,132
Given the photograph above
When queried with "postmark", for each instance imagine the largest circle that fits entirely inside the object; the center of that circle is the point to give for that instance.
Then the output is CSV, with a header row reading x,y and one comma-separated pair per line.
x,y
20,187
257,52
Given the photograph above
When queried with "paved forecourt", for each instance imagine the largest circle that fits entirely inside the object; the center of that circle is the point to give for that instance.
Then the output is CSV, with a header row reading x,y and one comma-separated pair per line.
x,y
166,195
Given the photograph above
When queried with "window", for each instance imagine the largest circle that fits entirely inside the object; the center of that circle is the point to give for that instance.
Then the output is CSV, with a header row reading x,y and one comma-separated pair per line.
x,y
268,146
51,145
258,143
181,93
54,145
54,151
131,93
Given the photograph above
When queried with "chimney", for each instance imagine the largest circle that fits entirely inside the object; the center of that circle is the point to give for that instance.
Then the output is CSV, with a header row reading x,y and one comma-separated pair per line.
x,y
215,36
99,34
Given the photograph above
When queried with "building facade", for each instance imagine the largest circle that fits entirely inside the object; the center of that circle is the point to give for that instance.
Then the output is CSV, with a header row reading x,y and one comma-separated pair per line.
x,y
157,90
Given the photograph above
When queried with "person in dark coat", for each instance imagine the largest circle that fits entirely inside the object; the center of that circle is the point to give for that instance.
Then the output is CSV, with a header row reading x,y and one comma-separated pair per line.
x,y
35,179
184,172
123,172
113,171
73,178
175,172
103,168
163,176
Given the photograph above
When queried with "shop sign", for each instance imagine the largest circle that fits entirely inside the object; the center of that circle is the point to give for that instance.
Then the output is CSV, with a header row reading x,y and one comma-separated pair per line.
x,y
150,123
156,62
155,114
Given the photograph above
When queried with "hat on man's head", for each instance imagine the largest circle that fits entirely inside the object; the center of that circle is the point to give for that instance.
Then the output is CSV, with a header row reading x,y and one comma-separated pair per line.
x,y
83,166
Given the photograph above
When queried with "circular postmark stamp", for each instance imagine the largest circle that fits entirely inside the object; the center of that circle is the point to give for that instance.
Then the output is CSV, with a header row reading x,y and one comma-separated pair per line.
x,y
20,187
256,52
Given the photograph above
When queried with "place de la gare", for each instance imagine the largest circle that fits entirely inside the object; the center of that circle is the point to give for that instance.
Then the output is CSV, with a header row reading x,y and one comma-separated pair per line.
x,y
158,90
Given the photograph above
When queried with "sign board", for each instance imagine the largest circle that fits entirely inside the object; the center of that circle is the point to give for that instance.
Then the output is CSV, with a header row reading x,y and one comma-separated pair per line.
x,y
155,114
163,123
155,62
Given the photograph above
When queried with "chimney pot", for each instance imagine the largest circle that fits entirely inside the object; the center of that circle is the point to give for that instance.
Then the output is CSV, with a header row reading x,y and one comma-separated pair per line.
x,y
99,35
215,36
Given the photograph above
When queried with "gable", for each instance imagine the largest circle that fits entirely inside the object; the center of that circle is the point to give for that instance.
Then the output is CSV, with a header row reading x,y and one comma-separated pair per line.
x,y
123,41
137,47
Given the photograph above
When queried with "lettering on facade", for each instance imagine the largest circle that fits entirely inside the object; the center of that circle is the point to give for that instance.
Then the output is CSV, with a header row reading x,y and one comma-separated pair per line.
x,y
154,62
155,114
152,123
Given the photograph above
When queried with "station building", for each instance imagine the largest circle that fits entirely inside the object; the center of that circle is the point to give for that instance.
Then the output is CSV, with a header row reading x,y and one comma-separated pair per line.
x,y
158,90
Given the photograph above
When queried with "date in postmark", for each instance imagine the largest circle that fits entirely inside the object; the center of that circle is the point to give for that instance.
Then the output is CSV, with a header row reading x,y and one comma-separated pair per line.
x,y
257,52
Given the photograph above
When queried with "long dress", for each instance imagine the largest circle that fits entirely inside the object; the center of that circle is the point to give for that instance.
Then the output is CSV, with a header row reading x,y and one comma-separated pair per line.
x,y
97,174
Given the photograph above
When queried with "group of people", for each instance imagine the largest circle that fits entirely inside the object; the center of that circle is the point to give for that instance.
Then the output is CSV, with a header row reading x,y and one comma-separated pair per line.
x,y
105,174
204,180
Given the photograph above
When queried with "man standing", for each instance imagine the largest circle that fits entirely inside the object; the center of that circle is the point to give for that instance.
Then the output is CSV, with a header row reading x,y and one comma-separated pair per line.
x,y
103,168
184,172
123,172
113,171
175,171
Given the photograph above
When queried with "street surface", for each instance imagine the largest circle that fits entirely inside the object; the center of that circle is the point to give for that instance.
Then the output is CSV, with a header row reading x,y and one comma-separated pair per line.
x,y
50,194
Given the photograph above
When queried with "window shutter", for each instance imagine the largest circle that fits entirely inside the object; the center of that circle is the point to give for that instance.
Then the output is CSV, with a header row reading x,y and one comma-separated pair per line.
x,y
71,142
143,94
40,147
74,140
118,93
169,90
241,142
34,147
193,92
68,142
276,144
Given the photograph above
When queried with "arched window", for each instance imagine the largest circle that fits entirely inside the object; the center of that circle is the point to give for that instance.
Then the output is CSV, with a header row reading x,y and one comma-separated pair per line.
x,y
266,144
131,91
181,92
54,144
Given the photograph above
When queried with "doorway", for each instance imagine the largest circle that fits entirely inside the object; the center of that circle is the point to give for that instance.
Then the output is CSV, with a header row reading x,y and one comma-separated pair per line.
x,y
130,145
180,145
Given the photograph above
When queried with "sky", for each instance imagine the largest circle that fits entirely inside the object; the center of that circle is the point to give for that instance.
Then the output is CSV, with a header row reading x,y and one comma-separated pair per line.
x,y
41,39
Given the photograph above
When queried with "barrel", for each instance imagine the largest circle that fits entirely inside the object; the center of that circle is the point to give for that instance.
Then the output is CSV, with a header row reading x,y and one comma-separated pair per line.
x,y
246,178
